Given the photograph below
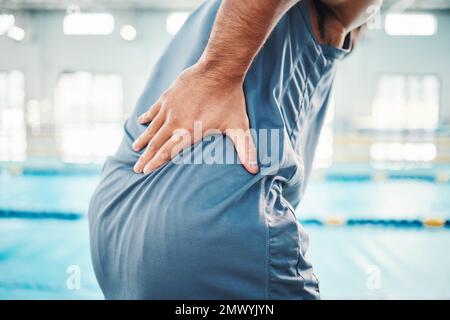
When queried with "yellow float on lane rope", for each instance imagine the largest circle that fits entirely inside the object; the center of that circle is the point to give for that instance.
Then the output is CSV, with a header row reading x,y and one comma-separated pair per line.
x,y
434,222
335,221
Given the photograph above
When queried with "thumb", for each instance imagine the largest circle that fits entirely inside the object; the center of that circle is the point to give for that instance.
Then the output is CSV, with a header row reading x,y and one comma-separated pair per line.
x,y
245,148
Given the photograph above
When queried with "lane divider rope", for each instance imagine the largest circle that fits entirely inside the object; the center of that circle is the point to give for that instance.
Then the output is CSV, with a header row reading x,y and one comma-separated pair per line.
x,y
327,221
402,223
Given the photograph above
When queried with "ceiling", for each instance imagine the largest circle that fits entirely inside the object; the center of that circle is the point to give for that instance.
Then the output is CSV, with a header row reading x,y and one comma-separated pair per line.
x,y
174,4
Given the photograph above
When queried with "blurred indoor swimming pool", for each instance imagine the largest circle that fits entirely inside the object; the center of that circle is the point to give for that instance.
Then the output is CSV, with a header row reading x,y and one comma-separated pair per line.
x,y
369,239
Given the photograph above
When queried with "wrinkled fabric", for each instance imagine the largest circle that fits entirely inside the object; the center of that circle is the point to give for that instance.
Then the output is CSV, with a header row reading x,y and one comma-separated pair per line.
x,y
202,231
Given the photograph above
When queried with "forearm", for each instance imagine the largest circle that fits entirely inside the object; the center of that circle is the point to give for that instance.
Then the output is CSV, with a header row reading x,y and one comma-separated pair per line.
x,y
240,30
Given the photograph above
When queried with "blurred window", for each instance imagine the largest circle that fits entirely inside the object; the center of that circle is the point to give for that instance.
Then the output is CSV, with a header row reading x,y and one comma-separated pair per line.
x,y
6,22
325,147
403,152
89,112
88,24
12,122
406,102
409,24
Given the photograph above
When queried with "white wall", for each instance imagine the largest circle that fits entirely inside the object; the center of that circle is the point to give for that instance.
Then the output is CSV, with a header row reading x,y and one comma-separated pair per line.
x,y
46,52
380,53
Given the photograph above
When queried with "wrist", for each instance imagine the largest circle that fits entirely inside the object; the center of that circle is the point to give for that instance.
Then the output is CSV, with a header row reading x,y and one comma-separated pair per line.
x,y
222,71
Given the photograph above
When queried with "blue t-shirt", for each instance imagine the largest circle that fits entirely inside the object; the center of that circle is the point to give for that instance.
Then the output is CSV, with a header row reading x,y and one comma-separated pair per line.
x,y
202,231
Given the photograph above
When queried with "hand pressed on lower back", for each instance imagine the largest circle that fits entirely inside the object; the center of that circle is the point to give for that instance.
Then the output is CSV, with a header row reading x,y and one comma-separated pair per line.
x,y
211,91
196,96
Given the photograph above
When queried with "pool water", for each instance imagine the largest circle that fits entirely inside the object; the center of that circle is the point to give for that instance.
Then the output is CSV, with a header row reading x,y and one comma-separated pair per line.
x,y
44,235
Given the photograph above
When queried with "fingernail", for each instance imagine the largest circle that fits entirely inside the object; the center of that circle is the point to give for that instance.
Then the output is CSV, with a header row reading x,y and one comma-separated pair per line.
x,y
147,170
137,168
254,167
135,146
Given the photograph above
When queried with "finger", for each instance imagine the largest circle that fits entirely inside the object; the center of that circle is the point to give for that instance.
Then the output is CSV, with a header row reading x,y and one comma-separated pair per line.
x,y
245,148
168,151
149,133
153,147
148,116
